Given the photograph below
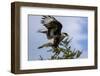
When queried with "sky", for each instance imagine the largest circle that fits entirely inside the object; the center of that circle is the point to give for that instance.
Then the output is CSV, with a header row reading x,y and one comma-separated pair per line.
x,y
76,27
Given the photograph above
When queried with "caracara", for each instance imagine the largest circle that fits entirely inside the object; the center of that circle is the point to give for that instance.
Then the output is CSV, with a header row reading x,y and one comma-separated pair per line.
x,y
53,31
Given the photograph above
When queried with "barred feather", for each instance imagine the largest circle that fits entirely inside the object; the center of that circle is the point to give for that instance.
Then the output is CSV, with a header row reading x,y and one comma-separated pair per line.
x,y
47,19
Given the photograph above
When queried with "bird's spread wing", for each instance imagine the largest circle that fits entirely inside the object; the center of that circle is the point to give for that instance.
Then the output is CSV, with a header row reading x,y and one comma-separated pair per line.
x,y
48,44
53,26
53,32
47,19
45,45
42,31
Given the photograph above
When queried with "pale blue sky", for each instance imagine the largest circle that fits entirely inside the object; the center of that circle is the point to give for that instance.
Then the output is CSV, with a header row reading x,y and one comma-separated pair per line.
x,y
76,27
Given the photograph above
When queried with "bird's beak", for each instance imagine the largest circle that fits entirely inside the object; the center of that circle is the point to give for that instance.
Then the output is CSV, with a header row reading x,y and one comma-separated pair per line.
x,y
66,34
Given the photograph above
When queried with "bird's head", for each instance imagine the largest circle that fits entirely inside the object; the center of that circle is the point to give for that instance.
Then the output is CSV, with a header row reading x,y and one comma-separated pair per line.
x,y
64,34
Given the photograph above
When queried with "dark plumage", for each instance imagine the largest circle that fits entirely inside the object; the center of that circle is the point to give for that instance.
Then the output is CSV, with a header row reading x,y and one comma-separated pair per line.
x,y
59,38
53,26
53,31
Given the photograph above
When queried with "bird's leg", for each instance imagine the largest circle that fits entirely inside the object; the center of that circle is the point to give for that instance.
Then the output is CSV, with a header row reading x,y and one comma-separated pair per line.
x,y
56,53
55,56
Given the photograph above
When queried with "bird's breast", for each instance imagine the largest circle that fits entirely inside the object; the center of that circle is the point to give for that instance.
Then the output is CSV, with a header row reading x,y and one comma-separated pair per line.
x,y
51,40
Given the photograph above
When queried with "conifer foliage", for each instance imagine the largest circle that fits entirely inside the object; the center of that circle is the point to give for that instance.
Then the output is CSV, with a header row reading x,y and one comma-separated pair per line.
x,y
64,51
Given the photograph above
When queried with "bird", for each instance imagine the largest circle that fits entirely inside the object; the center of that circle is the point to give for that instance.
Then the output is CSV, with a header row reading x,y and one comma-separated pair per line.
x,y
53,26
54,42
53,31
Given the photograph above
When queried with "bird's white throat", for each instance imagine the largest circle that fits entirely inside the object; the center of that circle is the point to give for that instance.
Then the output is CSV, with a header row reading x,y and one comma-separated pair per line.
x,y
51,40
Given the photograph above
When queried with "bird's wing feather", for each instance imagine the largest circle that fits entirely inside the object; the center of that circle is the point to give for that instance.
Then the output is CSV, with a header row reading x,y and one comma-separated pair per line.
x,y
47,19
45,45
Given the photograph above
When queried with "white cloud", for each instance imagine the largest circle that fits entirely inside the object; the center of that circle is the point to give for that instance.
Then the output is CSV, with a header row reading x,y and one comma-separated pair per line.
x,y
73,25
